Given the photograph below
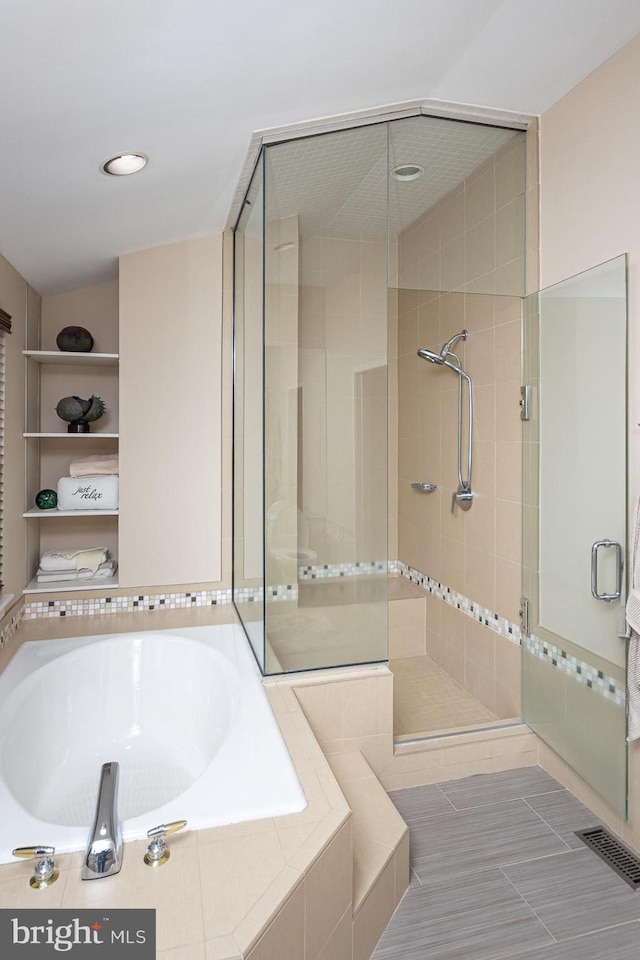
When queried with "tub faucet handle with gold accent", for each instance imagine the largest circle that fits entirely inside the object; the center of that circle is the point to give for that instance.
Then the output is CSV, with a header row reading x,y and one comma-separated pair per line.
x,y
45,871
158,851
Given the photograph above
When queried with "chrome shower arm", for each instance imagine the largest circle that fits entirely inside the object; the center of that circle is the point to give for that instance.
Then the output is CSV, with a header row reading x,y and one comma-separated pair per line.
x,y
454,339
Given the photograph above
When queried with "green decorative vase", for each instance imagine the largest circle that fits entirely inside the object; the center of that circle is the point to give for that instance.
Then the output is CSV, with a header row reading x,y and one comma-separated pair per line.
x,y
46,499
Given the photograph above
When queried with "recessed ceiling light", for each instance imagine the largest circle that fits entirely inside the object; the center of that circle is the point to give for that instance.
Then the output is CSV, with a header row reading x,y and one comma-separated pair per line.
x,y
124,163
407,171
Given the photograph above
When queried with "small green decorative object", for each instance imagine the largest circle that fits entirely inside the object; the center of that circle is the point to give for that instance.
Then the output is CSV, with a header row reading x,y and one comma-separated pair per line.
x,y
47,499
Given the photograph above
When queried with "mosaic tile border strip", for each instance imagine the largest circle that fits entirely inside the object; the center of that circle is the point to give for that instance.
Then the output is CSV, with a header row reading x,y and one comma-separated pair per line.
x,y
281,592
10,628
362,568
95,606
507,629
579,670
148,602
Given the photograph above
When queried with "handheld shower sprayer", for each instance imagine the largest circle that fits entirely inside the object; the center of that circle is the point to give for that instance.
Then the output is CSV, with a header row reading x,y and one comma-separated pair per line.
x,y
463,496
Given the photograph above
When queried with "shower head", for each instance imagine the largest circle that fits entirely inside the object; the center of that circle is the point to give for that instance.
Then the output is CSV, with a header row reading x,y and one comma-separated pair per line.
x,y
446,352
430,356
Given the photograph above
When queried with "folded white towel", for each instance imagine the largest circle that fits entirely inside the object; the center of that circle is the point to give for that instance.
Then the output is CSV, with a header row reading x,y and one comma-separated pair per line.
x,y
61,561
633,687
98,465
104,571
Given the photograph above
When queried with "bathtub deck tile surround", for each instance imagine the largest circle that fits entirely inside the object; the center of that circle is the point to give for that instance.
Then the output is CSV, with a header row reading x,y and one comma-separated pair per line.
x,y
302,838
195,951
173,890
222,887
198,900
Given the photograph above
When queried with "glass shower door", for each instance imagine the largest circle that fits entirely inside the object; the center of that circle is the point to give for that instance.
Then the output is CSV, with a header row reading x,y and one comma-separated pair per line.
x,y
575,524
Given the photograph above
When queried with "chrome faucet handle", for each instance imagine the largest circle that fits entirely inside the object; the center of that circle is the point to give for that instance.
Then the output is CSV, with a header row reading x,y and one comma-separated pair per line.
x,y
45,871
158,852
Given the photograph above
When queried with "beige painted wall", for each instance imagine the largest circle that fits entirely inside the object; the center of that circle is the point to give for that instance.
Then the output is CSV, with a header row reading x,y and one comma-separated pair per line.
x,y
589,213
14,297
94,307
590,193
170,414
281,402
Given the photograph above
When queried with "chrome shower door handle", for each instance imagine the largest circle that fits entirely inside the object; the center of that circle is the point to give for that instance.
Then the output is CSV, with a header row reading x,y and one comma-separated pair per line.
x,y
607,597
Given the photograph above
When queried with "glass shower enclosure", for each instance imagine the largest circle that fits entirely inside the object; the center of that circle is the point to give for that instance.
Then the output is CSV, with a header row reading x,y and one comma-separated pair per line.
x,y
339,260
310,403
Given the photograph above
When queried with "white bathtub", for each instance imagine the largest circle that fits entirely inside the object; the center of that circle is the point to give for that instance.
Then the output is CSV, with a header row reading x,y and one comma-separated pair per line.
x,y
183,712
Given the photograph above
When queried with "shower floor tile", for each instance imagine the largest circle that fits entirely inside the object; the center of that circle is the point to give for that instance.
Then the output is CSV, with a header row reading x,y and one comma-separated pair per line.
x,y
427,701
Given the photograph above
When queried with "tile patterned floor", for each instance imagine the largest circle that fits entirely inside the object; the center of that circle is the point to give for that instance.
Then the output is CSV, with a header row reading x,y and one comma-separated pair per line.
x,y
497,874
427,700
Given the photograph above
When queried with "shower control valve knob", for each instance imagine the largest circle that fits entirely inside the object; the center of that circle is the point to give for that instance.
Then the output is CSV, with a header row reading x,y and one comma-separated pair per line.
x,y
463,497
158,852
45,871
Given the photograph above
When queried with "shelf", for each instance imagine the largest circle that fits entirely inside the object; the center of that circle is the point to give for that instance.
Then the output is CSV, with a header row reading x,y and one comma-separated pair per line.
x,y
57,356
48,448
69,586
39,514
72,436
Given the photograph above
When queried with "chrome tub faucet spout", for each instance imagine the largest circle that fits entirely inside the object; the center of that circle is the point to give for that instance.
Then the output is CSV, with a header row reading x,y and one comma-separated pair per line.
x,y
104,849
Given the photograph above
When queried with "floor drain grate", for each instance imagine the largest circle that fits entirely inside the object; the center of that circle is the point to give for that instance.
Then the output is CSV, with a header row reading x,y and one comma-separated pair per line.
x,y
625,863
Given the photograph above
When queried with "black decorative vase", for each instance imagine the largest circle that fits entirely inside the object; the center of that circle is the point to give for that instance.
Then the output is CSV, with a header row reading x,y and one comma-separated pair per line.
x,y
75,340
79,427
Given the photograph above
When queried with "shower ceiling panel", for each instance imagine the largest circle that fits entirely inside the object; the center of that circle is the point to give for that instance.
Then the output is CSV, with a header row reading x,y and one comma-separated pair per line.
x,y
337,181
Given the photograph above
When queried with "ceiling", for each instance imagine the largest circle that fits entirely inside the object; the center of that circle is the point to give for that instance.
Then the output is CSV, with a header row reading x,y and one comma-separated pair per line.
x,y
189,81
340,181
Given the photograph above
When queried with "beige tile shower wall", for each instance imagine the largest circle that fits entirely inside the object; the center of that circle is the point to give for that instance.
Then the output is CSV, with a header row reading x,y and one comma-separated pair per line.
x,y
472,242
342,336
15,297
473,239
170,414
476,553
589,212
